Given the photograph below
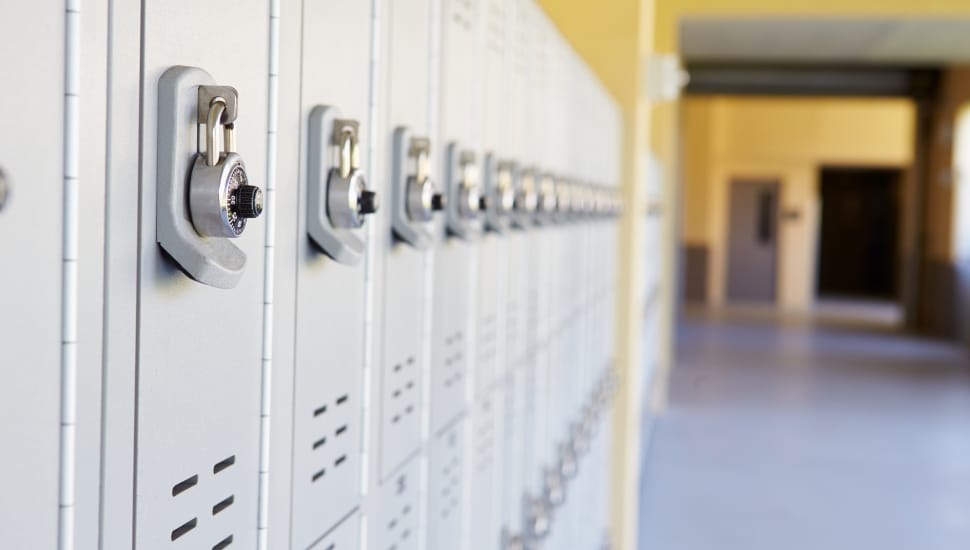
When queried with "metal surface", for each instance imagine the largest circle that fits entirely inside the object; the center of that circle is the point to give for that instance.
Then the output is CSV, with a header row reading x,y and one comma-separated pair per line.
x,y
199,348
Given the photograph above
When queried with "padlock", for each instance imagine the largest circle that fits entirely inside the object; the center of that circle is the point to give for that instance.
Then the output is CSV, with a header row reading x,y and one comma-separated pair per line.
x,y
221,199
547,199
469,193
526,198
348,199
422,198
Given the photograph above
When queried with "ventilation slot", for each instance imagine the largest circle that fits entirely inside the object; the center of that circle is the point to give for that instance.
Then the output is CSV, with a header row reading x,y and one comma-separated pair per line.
x,y
342,399
318,475
223,464
223,543
225,503
340,460
185,485
319,410
184,528
319,443
341,430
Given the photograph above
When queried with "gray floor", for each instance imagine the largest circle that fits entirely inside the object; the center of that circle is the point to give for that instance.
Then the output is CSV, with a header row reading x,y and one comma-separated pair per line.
x,y
791,438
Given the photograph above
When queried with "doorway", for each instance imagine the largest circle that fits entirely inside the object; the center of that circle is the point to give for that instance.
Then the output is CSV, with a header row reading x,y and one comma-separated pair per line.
x,y
859,233
752,246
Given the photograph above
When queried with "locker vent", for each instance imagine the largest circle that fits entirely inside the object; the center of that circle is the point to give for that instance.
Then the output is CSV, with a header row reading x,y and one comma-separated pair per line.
x,y
484,436
450,475
401,525
454,366
495,27
181,487
404,389
463,13
325,439
487,337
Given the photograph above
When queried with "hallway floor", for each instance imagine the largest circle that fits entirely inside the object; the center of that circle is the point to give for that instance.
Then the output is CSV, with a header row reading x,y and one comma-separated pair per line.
x,y
807,438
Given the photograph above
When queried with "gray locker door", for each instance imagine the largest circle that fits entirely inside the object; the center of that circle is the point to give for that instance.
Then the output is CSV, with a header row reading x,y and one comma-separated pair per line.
x,y
30,270
329,360
447,472
199,347
405,269
396,512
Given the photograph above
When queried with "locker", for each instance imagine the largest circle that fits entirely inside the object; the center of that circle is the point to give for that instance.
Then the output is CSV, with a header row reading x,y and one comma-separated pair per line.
x,y
405,128
486,471
199,346
331,126
345,536
447,471
405,351
30,279
396,510
455,255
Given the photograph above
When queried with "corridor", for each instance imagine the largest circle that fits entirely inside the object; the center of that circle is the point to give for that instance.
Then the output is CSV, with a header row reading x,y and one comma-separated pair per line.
x,y
794,437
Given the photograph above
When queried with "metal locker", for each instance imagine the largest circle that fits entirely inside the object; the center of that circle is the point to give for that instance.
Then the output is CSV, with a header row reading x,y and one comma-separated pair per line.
x,y
403,235
31,199
199,346
455,252
330,124
396,511
446,472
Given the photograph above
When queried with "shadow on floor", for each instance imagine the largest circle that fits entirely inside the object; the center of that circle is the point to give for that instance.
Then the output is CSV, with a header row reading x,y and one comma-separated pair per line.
x,y
794,436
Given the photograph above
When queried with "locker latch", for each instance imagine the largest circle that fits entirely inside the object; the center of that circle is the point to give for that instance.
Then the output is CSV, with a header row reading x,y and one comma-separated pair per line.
x,y
526,199
546,204
498,198
464,194
414,194
338,199
204,197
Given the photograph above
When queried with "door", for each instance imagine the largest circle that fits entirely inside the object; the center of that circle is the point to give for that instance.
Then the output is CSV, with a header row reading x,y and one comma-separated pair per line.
x,y
752,244
859,233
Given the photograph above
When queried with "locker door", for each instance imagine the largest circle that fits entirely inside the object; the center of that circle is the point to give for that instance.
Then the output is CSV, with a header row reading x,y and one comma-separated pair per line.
x,y
199,347
447,470
453,331
30,276
330,295
454,295
403,273
396,512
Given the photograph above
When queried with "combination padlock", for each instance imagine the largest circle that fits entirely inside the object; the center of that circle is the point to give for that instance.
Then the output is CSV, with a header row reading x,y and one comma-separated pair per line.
x,y
221,198
423,199
526,196
348,199
470,200
546,204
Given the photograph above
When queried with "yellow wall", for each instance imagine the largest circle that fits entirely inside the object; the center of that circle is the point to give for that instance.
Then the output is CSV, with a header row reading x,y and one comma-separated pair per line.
x,y
787,139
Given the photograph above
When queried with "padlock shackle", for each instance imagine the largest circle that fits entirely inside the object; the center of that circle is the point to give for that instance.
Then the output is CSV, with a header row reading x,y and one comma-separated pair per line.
x,y
212,122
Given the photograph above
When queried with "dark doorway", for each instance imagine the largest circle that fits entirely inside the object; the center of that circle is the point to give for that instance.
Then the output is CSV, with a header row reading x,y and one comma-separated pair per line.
x,y
859,233
753,241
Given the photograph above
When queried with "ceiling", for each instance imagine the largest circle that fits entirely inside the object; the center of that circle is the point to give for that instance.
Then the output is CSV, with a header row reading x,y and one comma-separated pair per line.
x,y
909,41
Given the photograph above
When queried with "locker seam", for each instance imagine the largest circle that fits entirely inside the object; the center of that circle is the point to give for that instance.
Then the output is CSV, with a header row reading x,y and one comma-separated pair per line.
x,y
138,269
427,266
367,340
69,275
266,379
296,272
